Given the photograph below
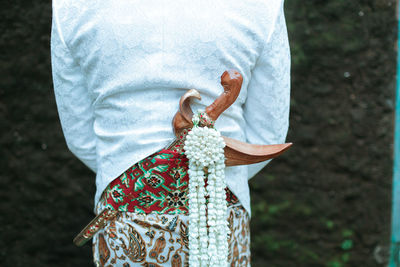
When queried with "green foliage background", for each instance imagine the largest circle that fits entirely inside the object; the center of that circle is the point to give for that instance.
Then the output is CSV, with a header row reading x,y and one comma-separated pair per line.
x,y
327,201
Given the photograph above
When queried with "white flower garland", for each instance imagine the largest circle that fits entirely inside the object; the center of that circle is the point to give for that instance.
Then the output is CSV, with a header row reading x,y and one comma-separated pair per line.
x,y
204,147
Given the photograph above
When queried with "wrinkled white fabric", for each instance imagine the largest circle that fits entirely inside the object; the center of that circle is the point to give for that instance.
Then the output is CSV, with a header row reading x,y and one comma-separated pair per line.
x,y
120,67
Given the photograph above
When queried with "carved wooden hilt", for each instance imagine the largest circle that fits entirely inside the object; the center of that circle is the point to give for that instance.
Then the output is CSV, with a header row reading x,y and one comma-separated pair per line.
x,y
236,152
231,81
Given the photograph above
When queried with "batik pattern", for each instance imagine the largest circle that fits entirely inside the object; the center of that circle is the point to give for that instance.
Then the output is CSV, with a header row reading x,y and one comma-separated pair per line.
x,y
156,184
162,240
151,226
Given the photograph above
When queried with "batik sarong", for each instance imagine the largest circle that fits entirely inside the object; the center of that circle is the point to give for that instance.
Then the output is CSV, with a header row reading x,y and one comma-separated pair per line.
x,y
151,228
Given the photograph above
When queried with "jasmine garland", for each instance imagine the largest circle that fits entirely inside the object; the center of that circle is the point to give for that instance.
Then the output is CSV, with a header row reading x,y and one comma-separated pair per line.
x,y
208,233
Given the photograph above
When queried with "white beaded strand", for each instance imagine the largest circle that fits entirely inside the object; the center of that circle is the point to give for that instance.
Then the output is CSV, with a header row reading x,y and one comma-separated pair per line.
x,y
204,147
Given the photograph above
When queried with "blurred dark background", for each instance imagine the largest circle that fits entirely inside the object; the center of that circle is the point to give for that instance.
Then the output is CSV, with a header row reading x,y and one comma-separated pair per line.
x,y
326,202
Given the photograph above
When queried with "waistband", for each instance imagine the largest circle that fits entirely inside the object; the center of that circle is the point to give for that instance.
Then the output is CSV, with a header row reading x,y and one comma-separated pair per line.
x,y
156,184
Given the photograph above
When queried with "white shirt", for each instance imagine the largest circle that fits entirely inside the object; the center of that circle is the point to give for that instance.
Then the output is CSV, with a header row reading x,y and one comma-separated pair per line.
x,y
120,67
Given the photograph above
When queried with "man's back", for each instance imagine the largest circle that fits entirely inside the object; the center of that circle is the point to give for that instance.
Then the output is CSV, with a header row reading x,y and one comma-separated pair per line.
x,y
120,68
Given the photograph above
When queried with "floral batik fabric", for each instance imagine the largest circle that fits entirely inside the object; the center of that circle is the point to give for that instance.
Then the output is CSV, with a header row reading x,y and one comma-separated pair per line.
x,y
134,239
151,227
156,184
